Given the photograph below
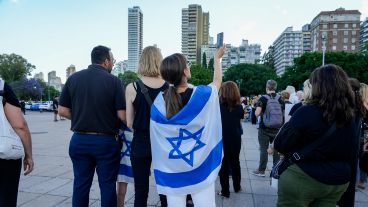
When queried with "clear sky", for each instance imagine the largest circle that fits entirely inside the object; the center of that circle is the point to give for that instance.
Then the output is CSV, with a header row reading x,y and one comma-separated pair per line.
x,y
52,34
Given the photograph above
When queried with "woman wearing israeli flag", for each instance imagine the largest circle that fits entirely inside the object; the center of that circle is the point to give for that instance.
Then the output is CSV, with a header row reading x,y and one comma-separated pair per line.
x,y
186,134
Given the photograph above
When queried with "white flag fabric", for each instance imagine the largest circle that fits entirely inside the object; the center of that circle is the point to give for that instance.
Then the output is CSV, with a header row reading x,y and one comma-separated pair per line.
x,y
187,148
125,169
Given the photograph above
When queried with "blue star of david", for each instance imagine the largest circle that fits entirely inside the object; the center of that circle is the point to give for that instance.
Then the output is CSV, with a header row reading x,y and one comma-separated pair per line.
x,y
127,143
176,142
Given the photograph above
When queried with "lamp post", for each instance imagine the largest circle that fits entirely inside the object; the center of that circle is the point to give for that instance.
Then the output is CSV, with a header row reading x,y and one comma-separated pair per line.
x,y
323,49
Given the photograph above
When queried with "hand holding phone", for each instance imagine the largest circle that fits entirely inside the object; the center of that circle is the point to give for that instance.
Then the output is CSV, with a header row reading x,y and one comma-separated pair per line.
x,y
220,39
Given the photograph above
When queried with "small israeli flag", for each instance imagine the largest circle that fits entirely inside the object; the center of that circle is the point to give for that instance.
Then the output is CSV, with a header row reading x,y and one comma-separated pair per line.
x,y
125,169
187,148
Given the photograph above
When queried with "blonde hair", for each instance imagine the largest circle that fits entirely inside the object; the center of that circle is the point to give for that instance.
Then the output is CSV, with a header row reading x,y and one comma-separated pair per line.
x,y
364,92
307,89
150,61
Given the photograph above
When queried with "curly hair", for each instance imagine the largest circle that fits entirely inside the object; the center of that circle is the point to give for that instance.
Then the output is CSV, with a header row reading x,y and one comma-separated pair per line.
x,y
332,92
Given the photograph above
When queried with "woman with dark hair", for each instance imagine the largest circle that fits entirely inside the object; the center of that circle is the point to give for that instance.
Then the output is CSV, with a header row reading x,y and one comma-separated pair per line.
x,y
186,134
329,124
231,114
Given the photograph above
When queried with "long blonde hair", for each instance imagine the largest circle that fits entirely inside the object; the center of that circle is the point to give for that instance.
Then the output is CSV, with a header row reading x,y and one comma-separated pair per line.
x,y
150,61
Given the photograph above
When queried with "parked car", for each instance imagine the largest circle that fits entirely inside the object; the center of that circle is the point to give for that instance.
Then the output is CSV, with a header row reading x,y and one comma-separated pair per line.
x,y
35,106
28,106
46,106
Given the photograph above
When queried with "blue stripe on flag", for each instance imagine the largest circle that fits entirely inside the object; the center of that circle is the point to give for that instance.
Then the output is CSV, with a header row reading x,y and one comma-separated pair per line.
x,y
126,170
183,179
189,112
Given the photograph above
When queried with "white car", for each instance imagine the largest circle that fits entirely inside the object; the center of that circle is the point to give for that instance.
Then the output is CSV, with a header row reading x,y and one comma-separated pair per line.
x,y
46,106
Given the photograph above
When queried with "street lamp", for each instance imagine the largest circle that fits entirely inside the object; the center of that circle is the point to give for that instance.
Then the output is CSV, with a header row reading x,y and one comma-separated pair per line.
x,y
323,49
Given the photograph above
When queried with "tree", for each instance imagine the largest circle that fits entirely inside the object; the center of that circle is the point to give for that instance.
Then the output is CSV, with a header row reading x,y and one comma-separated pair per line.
x,y
200,75
27,89
14,67
210,64
128,77
204,60
268,57
354,64
251,78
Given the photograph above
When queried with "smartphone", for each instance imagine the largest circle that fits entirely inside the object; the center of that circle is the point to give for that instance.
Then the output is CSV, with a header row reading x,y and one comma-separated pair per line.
x,y
220,39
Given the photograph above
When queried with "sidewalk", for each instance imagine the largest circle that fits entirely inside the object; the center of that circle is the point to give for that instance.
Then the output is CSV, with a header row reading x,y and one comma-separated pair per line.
x,y
51,182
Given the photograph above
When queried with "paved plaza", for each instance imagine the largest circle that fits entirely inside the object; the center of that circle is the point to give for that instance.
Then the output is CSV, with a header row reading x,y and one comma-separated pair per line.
x,y
51,182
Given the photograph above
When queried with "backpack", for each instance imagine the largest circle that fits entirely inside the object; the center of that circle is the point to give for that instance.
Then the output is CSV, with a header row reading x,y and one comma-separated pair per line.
x,y
273,115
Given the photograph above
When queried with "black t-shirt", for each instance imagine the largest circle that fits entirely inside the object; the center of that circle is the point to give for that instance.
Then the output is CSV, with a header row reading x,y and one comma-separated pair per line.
x,y
9,96
331,162
185,96
55,104
231,131
262,102
94,96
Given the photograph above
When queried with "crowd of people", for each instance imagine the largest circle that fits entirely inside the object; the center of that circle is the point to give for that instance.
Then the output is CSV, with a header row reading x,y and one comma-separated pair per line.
x,y
186,136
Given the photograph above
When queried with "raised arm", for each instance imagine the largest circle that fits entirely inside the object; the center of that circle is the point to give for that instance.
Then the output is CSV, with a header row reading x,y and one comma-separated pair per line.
x,y
217,74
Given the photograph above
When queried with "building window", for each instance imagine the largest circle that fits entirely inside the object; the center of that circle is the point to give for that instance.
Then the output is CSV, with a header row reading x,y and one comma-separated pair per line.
x,y
354,25
353,32
335,26
353,40
346,33
345,47
334,40
345,40
346,25
325,26
334,33
334,47
353,47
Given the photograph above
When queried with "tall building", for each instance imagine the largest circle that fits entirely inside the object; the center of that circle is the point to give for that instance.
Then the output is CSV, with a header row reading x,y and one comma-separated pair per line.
x,y
54,81
135,37
194,32
340,30
287,47
364,34
306,44
39,76
70,70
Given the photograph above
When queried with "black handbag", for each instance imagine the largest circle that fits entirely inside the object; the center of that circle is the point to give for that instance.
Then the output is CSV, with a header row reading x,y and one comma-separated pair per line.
x,y
285,162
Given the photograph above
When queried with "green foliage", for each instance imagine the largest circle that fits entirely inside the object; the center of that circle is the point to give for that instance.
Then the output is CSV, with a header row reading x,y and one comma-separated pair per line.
x,y
252,78
14,67
200,75
204,60
210,64
354,64
128,77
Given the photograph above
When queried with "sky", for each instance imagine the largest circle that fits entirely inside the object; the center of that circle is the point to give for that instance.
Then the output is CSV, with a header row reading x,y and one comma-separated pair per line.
x,y
53,34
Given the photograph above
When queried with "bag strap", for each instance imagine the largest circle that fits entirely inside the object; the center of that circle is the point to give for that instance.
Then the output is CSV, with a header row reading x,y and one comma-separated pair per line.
x,y
296,156
144,90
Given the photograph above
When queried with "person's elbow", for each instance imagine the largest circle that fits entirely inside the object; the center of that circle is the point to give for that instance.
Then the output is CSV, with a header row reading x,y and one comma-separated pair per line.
x,y
64,112
20,125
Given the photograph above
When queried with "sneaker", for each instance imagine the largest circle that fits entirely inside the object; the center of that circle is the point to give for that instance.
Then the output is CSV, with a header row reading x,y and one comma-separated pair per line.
x,y
258,173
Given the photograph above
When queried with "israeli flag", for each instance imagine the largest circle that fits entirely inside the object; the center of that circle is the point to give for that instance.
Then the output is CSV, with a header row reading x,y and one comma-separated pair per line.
x,y
187,148
125,169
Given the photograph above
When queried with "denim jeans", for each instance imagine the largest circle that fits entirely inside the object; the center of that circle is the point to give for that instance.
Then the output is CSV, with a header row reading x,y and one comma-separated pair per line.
x,y
89,153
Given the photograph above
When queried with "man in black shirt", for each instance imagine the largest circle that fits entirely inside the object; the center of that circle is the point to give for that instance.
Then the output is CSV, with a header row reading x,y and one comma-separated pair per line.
x,y
55,105
266,134
94,101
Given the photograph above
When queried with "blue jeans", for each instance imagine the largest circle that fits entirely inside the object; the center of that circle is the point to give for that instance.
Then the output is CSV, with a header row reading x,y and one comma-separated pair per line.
x,y
89,153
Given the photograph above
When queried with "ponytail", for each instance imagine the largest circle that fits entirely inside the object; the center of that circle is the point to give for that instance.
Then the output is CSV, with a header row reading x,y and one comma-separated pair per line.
x,y
172,101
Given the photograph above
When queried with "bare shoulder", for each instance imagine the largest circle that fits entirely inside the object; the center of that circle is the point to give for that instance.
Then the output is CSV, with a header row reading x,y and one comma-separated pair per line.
x,y
130,92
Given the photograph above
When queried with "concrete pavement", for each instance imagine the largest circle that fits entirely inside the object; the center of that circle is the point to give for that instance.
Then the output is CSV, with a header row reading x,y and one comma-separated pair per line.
x,y
51,182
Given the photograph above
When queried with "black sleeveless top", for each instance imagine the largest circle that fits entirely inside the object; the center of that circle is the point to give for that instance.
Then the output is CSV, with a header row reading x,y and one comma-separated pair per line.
x,y
142,109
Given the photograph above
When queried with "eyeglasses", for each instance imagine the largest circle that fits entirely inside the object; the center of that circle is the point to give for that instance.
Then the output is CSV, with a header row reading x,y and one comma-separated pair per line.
x,y
113,61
